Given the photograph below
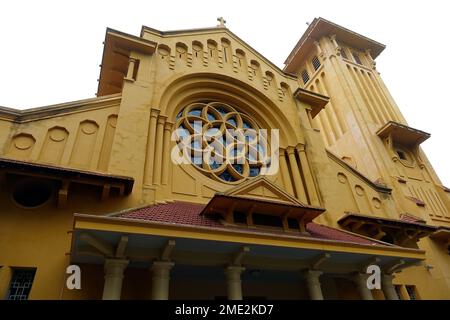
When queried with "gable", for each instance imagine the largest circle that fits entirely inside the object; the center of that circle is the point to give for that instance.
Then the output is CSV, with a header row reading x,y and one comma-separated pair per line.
x,y
217,34
261,188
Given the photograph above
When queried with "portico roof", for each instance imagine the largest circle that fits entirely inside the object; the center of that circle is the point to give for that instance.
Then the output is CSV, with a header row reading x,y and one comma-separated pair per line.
x,y
403,231
65,173
154,229
148,232
402,134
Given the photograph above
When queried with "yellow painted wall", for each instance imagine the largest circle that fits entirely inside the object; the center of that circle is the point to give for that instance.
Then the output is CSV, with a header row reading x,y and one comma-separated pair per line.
x,y
125,134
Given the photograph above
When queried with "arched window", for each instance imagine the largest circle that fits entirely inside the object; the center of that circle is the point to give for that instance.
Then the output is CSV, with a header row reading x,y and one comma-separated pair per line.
x,y
181,51
357,58
316,63
197,48
255,67
226,49
240,55
269,78
305,76
212,50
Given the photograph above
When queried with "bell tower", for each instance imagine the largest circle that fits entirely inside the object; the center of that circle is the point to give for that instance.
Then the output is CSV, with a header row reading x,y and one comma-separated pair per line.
x,y
362,124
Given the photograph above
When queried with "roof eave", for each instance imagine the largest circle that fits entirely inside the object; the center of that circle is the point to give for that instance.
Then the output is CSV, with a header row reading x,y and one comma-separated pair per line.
x,y
321,27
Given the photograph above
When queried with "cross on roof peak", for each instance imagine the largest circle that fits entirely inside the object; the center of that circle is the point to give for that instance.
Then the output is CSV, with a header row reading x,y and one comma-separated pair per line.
x,y
222,22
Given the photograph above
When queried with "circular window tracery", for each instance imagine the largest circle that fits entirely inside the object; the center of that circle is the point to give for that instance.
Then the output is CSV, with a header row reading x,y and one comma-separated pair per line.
x,y
221,142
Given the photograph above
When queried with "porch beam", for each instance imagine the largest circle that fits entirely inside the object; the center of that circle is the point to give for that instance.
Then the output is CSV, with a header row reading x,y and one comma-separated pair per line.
x,y
167,250
390,268
121,247
370,261
105,248
237,258
63,193
320,260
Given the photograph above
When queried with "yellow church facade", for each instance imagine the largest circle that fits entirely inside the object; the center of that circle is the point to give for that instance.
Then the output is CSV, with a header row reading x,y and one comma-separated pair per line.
x,y
95,183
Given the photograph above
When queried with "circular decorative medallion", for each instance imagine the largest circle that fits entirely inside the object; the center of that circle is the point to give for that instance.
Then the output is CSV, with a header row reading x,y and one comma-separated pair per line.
x,y
376,203
58,134
221,142
88,127
23,141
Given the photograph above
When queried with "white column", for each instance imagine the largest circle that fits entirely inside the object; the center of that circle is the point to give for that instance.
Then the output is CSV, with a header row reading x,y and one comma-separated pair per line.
x,y
114,269
313,282
388,287
161,279
360,280
234,285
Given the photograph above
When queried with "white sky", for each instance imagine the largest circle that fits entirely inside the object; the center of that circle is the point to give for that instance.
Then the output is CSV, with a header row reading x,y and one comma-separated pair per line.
x,y
50,50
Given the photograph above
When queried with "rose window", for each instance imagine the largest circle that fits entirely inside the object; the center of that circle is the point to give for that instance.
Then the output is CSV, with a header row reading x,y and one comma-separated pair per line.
x,y
221,142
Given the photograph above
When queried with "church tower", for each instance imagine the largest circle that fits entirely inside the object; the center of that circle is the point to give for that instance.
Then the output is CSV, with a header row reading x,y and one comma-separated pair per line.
x,y
362,124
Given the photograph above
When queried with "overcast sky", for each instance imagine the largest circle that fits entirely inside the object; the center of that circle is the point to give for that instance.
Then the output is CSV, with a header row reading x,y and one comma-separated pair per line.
x,y
51,50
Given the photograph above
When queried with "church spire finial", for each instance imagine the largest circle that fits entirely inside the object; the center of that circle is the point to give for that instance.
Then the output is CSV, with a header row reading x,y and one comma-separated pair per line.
x,y
222,22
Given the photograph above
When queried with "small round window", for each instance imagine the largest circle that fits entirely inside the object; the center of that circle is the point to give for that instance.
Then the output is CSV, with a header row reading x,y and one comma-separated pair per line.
x,y
32,193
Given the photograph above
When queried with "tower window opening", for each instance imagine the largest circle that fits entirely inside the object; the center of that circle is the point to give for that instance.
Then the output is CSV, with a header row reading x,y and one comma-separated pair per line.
x,y
401,155
305,76
344,54
316,63
357,59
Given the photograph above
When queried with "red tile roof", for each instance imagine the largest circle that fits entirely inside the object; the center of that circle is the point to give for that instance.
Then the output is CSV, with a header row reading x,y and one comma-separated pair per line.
x,y
184,213
410,218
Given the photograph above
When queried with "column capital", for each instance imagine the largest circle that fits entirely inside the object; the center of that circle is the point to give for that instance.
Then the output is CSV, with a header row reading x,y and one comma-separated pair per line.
x,y
115,265
162,265
168,125
311,273
233,273
234,269
162,119
154,112
301,147
387,277
290,150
